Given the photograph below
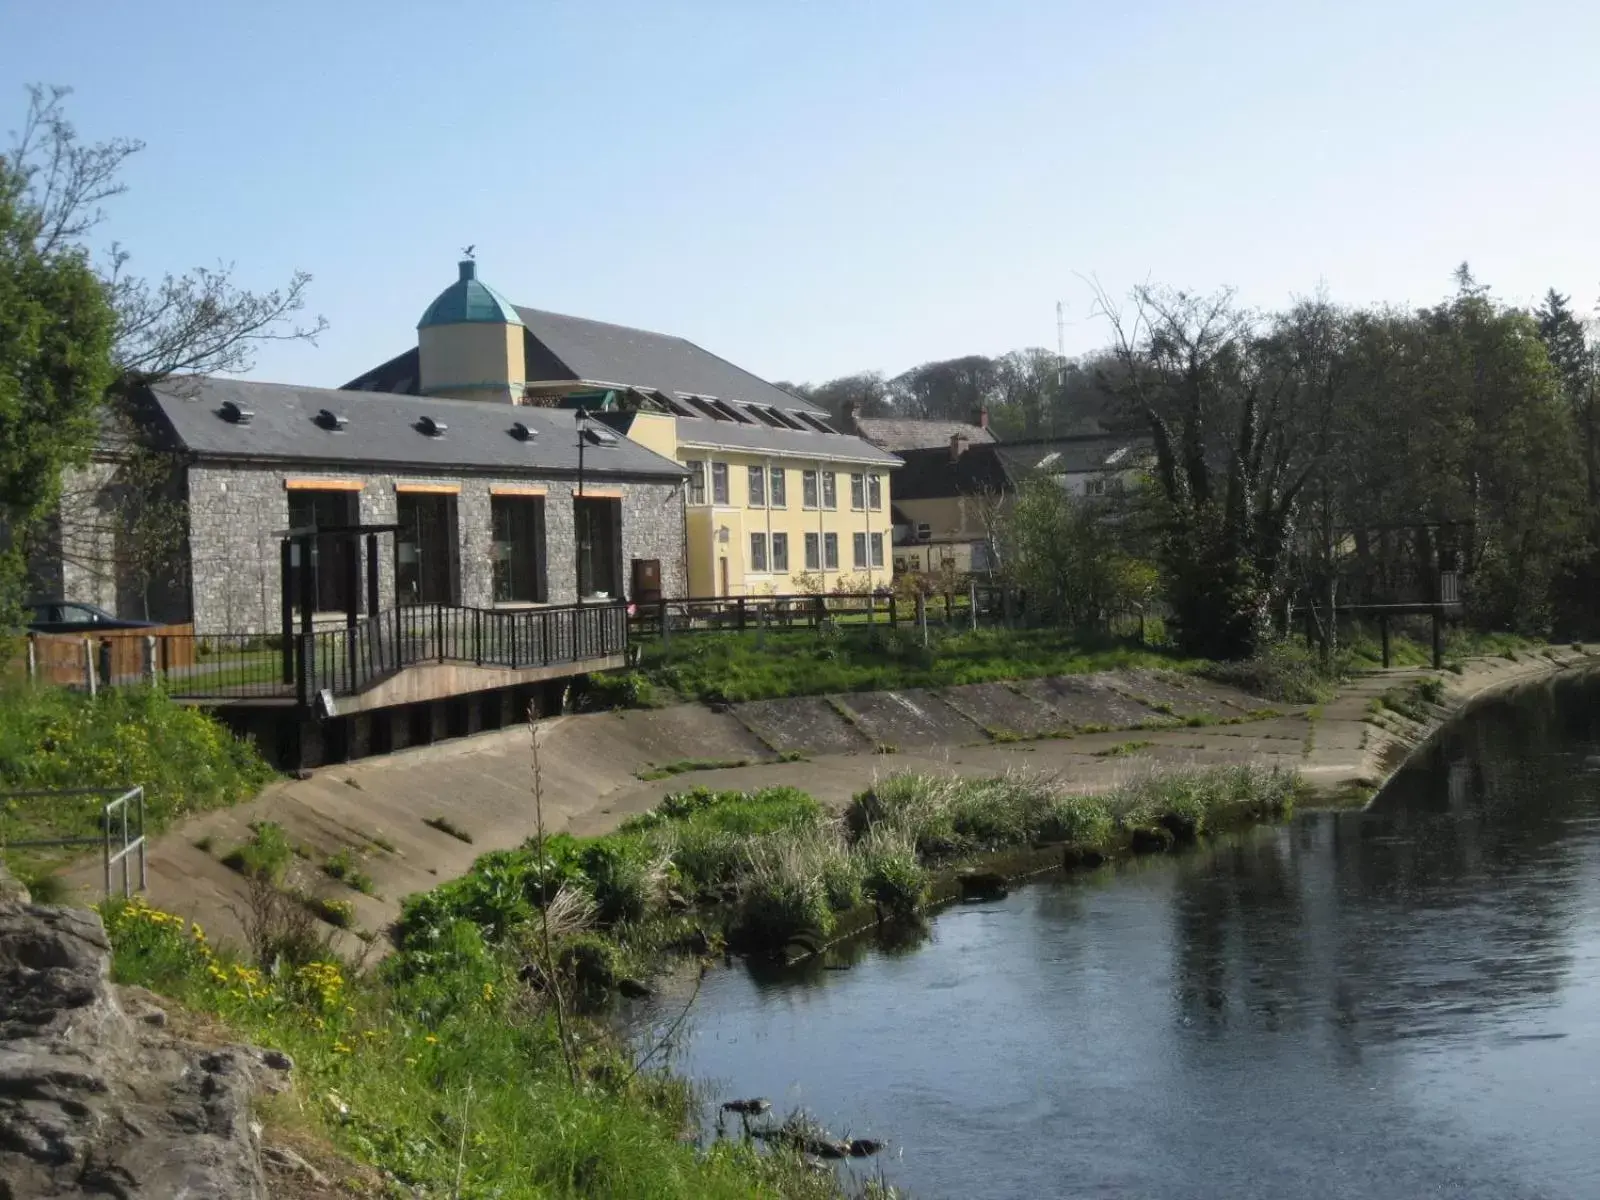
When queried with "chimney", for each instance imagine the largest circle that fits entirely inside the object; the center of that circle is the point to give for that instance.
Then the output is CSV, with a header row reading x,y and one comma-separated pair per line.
x,y
983,417
469,270
958,446
852,412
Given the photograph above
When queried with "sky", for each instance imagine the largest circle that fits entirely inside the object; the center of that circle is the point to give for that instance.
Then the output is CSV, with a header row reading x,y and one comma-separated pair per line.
x,y
812,189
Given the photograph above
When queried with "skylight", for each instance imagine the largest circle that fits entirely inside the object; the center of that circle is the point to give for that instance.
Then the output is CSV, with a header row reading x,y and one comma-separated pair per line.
x,y
600,437
816,422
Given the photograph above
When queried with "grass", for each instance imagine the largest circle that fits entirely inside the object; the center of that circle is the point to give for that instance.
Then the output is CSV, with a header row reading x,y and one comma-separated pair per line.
x,y
266,855
684,765
445,825
444,1068
1122,749
339,913
345,866
51,738
732,667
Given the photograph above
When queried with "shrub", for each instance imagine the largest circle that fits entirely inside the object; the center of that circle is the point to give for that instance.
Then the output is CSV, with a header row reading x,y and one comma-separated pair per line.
x,y
589,961
893,877
1081,820
1285,671
842,881
785,895
625,882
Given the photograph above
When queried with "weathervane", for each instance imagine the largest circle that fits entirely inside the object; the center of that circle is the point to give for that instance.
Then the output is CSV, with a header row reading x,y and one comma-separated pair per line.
x,y
468,251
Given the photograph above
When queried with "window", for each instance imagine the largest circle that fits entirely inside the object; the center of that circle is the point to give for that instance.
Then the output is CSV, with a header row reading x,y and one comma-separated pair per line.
x,y
924,531
877,549
519,556
830,490
982,557
830,551
758,552
1094,487
875,492
858,549
780,552
329,555
780,487
758,487
858,492
697,482
813,553
808,489
719,483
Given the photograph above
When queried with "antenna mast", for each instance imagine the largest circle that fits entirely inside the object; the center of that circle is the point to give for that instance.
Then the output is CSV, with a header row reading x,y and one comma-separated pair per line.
x,y
1061,345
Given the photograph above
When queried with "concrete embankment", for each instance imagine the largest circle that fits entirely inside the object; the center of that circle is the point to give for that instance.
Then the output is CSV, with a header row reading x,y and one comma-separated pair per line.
x,y
1089,731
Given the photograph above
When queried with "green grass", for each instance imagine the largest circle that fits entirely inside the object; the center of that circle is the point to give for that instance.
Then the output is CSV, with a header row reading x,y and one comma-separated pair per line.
x,y
51,738
266,855
339,913
1122,749
684,765
733,667
345,866
444,1069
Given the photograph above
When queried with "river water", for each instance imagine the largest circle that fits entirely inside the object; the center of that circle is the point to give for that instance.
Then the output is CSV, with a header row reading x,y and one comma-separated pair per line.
x,y
1403,1002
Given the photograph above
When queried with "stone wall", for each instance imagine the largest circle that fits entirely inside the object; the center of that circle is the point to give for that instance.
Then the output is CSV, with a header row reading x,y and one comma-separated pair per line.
x,y
235,514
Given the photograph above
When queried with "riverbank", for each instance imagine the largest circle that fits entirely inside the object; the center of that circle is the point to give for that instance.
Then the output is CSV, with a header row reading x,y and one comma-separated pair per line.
x,y
413,820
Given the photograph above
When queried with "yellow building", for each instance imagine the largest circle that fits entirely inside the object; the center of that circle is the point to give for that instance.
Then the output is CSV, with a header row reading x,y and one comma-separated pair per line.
x,y
778,500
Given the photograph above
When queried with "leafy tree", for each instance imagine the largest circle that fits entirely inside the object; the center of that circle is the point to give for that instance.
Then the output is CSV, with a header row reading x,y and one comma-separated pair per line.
x,y
953,389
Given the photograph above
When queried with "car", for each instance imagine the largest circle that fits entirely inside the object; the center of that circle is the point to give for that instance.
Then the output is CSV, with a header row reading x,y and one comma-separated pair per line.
x,y
69,616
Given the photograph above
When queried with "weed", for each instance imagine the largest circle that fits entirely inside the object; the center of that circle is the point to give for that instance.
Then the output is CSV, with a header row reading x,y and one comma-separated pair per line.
x,y
382,843
893,877
345,867
886,748
45,888
445,825
339,913
789,756
1122,749
265,856
684,765
1002,735
205,843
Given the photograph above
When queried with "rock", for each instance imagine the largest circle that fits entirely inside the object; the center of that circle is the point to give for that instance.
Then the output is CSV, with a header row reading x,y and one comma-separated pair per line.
x,y
277,1060
864,1147
676,903
96,1103
983,885
748,1108
1081,856
153,1016
302,774
1152,839
287,1162
634,990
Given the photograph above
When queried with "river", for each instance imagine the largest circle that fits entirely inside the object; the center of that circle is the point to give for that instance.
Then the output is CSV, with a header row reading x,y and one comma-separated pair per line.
x,y
1402,1002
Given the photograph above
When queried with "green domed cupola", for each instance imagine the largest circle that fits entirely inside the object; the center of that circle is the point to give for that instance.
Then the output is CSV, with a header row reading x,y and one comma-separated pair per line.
x,y
469,301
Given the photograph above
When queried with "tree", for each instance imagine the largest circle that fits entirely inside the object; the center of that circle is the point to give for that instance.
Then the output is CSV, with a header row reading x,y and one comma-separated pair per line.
x,y
865,393
952,389
182,325
56,335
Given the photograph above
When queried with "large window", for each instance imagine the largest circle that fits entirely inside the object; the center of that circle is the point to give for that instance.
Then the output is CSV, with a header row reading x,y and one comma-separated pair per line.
x,y
858,549
858,492
877,549
758,552
830,491
808,489
427,559
598,527
779,488
813,552
830,551
875,492
330,556
519,559
757,487
780,552
719,483
697,481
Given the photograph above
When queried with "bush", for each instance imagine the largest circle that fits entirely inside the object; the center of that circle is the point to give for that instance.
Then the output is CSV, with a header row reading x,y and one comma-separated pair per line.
x,y
266,855
785,894
1080,820
625,882
893,877
589,961
1284,671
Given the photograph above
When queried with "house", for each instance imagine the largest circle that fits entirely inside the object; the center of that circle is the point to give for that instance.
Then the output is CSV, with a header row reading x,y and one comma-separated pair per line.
x,y
906,433
773,490
950,500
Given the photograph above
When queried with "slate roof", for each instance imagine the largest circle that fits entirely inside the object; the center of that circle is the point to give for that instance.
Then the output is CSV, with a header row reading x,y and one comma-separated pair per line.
x,y
895,433
382,431
931,474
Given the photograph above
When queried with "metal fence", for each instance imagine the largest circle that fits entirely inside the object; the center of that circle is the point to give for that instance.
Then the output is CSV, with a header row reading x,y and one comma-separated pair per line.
x,y
973,607
121,829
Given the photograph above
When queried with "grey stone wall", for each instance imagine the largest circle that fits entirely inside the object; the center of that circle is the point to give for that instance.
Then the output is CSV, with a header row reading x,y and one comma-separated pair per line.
x,y
234,513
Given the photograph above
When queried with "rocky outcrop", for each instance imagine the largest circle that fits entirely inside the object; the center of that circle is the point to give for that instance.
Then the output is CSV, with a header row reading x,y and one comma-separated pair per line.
x,y
97,1100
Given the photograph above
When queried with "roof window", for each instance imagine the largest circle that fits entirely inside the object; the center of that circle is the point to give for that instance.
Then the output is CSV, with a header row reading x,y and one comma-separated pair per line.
x,y
599,436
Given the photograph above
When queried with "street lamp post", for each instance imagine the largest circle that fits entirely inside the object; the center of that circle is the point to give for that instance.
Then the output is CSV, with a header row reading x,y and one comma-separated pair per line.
x,y
579,517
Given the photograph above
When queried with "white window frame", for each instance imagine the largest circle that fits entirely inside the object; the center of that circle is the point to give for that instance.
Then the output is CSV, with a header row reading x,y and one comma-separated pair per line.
x,y
875,545
810,490
858,492
758,553
755,487
830,552
697,480
830,491
858,551
813,552
875,492
719,495
780,550
777,488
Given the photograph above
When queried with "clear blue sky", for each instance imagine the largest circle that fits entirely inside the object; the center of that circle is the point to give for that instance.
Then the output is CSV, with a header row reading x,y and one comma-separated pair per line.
x,y
816,188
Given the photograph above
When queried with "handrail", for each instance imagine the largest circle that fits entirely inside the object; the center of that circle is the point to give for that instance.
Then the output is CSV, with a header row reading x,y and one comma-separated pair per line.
x,y
133,838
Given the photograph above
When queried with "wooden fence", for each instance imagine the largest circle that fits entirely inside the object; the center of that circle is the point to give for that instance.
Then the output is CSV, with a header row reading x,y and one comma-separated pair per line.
x,y
94,657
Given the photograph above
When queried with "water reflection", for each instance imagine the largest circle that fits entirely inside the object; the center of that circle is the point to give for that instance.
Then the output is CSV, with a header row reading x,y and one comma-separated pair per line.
x,y
1395,1003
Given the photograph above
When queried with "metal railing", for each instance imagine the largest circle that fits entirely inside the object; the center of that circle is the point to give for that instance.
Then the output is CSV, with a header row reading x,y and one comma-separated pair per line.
x,y
114,819
970,607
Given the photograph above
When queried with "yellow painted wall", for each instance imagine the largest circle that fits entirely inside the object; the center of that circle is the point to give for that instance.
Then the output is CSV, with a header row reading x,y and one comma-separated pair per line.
x,y
954,524
740,520
655,431
477,360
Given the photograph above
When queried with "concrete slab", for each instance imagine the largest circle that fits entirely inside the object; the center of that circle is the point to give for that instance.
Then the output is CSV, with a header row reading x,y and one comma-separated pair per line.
x,y
1002,708
1078,700
804,725
913,717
